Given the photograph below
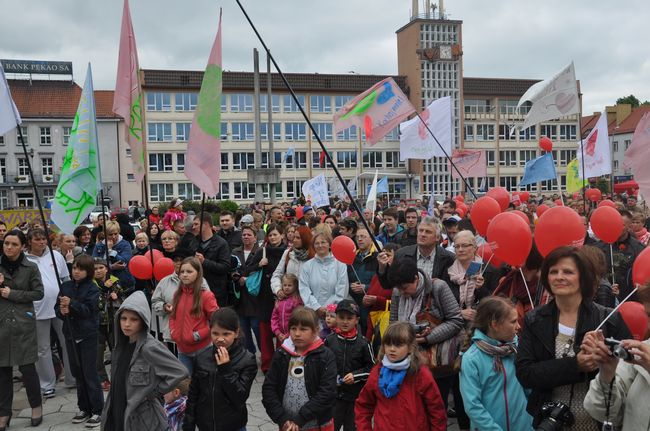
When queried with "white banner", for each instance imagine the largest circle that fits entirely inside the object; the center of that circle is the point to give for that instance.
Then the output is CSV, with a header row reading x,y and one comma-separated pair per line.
x,y
416,142
315,191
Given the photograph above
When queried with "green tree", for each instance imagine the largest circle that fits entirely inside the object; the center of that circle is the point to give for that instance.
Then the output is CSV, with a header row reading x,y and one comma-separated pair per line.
x,y
629,100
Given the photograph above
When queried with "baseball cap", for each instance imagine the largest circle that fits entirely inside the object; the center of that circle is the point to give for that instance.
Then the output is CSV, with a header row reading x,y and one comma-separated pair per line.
x,y
452,220
306,209
246,219
348,305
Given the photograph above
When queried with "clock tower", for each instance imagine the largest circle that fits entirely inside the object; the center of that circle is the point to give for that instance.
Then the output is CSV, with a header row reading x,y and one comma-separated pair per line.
x,y
430,55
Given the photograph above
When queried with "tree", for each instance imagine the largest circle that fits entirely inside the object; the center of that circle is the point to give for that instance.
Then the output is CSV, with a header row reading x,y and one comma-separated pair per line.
x,y
629,100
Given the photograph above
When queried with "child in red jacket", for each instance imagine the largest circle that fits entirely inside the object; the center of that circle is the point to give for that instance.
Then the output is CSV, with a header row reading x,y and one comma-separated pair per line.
x,y
400,393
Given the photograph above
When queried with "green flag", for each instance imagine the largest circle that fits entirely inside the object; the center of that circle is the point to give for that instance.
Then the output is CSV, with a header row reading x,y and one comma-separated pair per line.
x,y
573,181
80,182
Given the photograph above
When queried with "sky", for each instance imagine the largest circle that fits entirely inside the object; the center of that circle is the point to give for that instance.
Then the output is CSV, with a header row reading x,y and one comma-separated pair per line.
x,y
525,39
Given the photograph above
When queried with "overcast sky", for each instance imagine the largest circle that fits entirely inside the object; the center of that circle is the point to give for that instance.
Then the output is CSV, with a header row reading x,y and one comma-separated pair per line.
x,y
529,39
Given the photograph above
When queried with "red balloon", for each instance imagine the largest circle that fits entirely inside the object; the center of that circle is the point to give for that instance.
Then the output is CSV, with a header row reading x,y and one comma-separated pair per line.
x,y
557,227
541,209
635,318
140,267
484,210
559,202
163,267
607,224
594,195
459,198
343,249
510,238
546,144
157,255
501,195
524,196
641,267
522,215
485,251
607,203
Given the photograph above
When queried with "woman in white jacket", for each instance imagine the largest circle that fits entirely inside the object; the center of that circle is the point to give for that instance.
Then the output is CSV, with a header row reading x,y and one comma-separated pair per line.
x,y
323,279
294,257
624,386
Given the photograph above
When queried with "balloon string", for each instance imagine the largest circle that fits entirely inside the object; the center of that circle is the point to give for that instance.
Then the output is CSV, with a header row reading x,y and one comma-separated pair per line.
x,y
355,273
611,256
486,264
616,308
530,298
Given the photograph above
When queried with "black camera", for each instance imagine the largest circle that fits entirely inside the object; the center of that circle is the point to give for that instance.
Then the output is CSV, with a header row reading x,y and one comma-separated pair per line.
x,y
618,351
556,416
420,327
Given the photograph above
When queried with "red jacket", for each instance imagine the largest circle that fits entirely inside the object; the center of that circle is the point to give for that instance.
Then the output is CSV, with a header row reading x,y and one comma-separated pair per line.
x,y
183,326
417,406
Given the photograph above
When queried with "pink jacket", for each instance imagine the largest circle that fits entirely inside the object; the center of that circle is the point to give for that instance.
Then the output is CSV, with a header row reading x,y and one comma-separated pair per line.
x,y
282,313
171,216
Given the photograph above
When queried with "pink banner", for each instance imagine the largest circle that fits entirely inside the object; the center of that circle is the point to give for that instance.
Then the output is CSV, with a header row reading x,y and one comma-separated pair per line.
x,y
470,163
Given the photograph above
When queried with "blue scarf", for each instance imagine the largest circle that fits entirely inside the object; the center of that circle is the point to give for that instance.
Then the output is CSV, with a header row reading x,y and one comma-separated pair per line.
x,y
391,375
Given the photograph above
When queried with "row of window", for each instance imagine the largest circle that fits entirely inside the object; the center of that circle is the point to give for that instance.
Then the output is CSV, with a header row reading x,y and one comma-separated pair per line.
x,y
485,132
45,136
509,157
245,131
243,102
47,167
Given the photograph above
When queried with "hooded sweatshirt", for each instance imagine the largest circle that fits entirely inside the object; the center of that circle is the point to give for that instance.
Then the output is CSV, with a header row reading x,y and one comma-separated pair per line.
x,y
152,371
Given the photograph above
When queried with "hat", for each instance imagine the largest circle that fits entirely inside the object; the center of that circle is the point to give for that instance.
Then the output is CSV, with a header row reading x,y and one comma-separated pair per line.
x,y
306,209
452,220
290,212
331,308
246,219
176,203
348,305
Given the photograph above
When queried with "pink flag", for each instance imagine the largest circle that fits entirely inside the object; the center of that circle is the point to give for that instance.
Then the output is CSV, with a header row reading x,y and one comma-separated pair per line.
x,y
637,156
127,102
203,164
470,163
377,111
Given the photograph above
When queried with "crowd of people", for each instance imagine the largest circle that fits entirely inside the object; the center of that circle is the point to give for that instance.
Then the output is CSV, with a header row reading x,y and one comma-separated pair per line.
x,y
417,329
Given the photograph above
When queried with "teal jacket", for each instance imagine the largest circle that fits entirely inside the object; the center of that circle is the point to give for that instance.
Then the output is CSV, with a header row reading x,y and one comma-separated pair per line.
x,y
493,401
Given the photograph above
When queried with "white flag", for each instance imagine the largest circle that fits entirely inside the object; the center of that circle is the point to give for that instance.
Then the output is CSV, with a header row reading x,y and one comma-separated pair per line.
x,y
315,191
352,186
415,141
336,189
598,157
372,195
9,116
552,98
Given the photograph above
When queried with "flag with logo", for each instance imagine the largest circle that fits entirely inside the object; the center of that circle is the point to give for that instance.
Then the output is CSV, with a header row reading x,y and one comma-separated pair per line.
x,y
470,163
127,101
539,169
9,116
76,194
203,165
637,156
552,98
315,191
573,181
415,141
377,111
596,150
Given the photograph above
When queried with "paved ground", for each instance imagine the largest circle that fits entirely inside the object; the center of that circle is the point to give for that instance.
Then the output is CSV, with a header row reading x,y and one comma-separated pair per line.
x,y
58,411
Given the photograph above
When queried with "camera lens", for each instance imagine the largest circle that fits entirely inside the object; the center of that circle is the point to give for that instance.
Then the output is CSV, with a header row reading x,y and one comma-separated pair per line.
x,y
621,353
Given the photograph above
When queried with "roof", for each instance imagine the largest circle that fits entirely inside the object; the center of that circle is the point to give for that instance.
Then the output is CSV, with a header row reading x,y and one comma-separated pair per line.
x,y
588,122
342,83
629,124
496,86
55,99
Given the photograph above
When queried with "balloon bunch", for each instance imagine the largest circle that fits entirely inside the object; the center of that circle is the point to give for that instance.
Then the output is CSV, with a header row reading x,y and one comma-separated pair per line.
x,y
142,268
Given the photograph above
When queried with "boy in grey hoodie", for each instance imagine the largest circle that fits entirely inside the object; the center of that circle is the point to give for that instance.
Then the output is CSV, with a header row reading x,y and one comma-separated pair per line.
x,y
142,370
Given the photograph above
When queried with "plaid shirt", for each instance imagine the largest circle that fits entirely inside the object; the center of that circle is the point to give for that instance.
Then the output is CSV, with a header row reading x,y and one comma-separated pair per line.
x,y
425,263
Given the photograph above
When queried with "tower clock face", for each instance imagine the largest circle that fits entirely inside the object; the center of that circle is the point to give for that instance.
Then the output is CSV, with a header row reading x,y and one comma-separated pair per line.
x,y
445,52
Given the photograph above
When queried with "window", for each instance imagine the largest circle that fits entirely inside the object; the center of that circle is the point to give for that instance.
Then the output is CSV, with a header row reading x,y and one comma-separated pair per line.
x,y
469,132
290,105
159,132
392,160
324,131
340,101
277,159
46,136
295,132
526,155
373,159
4,200
504,133
294,188
66,134
567,132
224,132
508,158
224,103
243,131
2,140
508,182
243,190
508,106
627,143
315,160
224,162
158,102
615,165
180,162
47,194
242,161
566,156
275,103
346,159
265,159
489,157
299,160
160,162
183,132
473,106
549,185
348,134
615,146
320,103
224,190
3,170
23,169
47,166
241,103
127,152
529,134
548,130
278,190
188,191
397,187
25,135
161,192
485,132
130,177
186,101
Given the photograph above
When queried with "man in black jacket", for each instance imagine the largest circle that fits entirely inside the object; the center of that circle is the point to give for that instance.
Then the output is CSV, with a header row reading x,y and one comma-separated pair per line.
x,y
410,234
214,254
228,230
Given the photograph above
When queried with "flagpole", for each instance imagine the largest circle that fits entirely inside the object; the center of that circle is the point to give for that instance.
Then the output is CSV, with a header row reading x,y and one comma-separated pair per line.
x,y
582,158
309,123
447,156
201,218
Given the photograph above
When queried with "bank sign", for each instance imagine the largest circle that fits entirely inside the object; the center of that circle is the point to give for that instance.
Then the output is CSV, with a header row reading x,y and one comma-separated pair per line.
x,y
43,67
